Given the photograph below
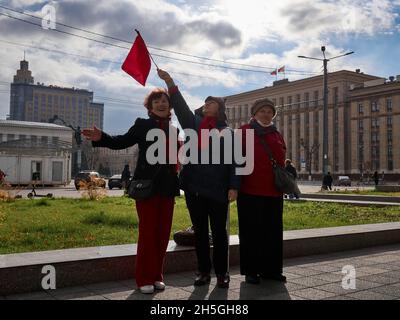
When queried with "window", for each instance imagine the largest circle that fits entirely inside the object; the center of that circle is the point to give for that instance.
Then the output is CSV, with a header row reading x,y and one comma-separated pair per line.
x,y
390,137
389,121
375,123
10,137
360,108
335,95
316,98
307,99
281,101
375,137
389,106
360,124
374,106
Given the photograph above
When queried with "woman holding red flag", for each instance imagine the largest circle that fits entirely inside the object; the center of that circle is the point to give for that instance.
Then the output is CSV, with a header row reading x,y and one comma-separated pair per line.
x,y
155,213
208,187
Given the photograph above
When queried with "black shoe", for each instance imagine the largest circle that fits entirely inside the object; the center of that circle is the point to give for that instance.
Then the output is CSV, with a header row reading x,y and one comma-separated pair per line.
x,y
276,277
223,281
202,279
253,279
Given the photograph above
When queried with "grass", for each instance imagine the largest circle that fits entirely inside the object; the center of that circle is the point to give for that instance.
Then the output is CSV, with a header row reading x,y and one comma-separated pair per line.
x,y
49,224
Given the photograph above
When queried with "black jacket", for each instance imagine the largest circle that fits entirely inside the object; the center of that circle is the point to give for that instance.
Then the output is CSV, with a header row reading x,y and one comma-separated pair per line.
x,y
164,176
209,180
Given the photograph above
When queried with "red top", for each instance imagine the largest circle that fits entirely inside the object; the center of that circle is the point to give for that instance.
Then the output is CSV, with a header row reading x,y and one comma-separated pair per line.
x,y
261,181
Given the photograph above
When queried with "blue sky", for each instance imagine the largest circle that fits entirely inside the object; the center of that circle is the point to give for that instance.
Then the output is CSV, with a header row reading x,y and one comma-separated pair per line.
x,y
256,32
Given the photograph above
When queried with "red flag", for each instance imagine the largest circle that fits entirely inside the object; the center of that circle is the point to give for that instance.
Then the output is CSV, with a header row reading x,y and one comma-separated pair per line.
x,y
281,69
137,64
273,73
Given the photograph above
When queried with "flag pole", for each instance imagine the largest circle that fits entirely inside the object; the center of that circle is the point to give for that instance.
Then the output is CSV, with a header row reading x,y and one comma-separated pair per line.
x,y
151,57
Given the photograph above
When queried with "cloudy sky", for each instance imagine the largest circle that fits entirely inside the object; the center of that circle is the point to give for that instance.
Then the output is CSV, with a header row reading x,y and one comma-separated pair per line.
x,y
261,33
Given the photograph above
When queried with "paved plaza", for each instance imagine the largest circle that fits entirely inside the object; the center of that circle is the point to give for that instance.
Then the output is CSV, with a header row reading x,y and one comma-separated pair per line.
x,y
309,278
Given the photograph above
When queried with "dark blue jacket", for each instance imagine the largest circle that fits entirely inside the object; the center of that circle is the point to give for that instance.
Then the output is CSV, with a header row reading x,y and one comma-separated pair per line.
x,y
209,180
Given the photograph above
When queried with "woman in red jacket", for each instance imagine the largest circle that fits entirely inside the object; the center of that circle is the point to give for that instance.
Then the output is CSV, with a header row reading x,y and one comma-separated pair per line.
x,y
260,205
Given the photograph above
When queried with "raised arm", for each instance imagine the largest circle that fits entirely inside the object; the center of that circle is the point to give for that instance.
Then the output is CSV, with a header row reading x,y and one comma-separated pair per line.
x,y
183,113
101,139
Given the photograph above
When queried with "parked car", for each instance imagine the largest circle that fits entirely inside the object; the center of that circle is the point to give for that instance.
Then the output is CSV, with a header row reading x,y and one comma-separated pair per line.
x,y
87,176
115,182
344,181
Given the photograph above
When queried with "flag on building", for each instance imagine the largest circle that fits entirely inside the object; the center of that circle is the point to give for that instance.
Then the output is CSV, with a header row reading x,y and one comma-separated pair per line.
x,y
281,69
137,64
273,73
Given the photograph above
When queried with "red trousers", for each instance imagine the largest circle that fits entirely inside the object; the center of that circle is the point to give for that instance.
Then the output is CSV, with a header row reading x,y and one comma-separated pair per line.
x,y
155,221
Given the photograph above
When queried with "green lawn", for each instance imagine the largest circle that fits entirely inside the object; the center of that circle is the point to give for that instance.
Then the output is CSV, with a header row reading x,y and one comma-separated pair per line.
x,y
37,225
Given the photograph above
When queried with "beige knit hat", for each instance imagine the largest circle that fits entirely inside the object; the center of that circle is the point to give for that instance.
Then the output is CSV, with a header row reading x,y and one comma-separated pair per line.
x,y
265,102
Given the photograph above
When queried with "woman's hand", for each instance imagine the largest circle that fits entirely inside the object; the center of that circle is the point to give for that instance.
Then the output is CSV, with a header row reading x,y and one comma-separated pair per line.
x,y
92,134
164,75
232,195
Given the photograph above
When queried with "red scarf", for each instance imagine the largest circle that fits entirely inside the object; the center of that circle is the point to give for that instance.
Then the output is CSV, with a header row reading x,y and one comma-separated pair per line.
x,y
207,123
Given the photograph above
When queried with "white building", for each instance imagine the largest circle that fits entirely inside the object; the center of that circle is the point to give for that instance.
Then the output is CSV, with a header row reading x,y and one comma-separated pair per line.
x,y
35,150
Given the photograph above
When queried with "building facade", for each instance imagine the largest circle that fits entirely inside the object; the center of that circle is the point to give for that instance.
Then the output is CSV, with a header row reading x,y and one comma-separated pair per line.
x,y
39,103
114,161
375,128
300,118
41,148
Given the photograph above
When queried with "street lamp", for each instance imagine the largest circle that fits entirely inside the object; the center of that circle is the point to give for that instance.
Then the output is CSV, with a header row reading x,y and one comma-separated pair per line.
x,y
325,113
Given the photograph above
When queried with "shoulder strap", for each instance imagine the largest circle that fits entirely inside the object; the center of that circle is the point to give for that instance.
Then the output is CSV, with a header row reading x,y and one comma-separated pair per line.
x,y
266,148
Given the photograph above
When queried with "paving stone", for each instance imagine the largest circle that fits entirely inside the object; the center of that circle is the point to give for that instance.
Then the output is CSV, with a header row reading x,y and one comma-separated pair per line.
x,y
384,258
309,281
364,271
327,268
378,278
105,286
369,295
121,295
330,277
281,296
339,290
313,294
90,298
131,284
393,290
386,266
31,296
340,298
172,294
302,271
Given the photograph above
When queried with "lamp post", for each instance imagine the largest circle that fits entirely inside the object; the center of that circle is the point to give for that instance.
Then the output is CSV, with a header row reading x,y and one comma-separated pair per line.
x,y
77,136
325,148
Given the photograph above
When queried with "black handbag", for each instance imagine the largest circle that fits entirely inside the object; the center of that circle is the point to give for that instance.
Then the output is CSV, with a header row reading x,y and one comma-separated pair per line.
x,y
284,181
140,189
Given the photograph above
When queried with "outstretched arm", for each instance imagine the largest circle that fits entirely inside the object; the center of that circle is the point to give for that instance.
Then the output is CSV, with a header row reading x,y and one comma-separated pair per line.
x,y
184,114
102,139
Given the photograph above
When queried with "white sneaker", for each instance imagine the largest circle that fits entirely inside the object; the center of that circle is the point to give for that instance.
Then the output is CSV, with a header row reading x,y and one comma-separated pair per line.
x,y
147,289
159,285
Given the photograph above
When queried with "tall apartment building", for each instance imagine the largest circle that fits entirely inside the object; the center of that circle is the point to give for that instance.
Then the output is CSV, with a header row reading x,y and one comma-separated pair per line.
x,y
39,103
300,118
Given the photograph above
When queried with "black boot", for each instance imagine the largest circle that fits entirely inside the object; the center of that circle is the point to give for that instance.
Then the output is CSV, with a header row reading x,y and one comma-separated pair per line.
x,y
252,279
202,279
276,277
223,281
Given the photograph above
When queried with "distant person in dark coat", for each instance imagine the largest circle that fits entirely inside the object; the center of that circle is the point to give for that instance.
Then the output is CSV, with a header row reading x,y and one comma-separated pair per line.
x,y
327,182
376,178
125,176
291,169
